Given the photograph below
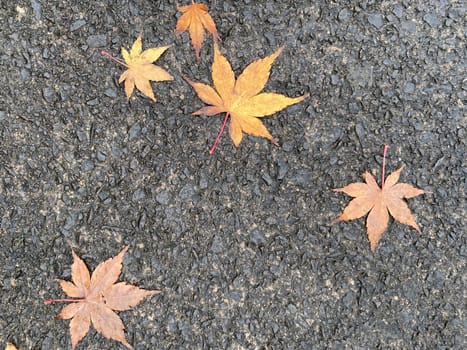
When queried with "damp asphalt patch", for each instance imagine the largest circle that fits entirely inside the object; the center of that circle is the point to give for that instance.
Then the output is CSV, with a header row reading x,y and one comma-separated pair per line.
x,y
239,242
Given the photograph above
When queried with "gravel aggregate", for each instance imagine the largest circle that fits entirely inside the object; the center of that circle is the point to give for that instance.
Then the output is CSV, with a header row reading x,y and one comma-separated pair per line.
x,y
239,242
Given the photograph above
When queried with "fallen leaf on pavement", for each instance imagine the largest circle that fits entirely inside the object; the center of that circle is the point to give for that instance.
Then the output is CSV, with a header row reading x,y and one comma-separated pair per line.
x,y
140,68
241,98
369,197
96,297
196,18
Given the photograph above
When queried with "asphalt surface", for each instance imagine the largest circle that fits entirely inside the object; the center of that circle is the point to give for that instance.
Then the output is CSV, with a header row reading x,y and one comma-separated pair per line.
x,y
239,242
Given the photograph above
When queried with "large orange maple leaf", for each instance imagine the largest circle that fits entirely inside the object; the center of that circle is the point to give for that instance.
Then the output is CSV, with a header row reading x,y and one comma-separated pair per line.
x,y
241,98
369,197
97,297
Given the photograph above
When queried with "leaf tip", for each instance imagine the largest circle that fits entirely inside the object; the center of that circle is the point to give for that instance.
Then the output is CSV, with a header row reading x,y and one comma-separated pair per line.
x,y
75,257
215,36
415,226
300,98
153,292
366,174
166,47
338,219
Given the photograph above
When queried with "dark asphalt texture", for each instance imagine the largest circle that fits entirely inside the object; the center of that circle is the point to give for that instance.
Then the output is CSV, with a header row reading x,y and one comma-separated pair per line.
x,y
239,242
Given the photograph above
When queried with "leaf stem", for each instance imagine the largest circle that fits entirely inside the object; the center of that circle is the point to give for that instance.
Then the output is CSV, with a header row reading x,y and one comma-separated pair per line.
x,y
108,55
216,141
50,301
385,150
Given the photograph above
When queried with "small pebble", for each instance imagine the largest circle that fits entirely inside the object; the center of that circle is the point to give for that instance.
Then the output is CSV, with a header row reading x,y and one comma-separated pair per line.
x,y
376,19
36,9
257,238
133,164
360,131
110,93
270,38
163,198
408,26
283,168
82,136
187,192
98,40
134,132
348,299
267,179
431,19
398,10
409,88
101,156
217,245
49,94
353,107
24,73
103,195
93,102
343,15
138,195
77,24
87,165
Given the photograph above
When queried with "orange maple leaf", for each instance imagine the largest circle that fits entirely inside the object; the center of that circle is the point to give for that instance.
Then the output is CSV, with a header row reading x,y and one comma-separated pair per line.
x,y
97,298
196,18
140,68
241,98
369,197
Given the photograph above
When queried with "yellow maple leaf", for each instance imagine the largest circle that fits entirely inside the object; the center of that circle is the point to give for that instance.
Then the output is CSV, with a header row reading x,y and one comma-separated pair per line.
x,y
140,68
196,18
241,98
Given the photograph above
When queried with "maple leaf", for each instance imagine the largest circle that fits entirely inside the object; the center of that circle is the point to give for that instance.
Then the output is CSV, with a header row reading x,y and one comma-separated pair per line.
x,y
97,297
140,68
196,18
241,98
369,197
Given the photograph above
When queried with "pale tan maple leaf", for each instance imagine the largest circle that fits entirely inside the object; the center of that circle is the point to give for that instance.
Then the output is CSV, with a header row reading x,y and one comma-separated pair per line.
x,y
379,202
97,297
